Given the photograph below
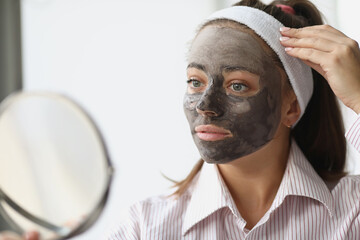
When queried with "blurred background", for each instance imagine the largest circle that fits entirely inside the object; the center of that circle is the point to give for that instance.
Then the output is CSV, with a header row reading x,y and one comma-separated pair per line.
x,y
124,62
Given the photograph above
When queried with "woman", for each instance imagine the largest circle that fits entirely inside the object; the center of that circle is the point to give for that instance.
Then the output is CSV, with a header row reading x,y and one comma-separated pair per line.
x,y
270,133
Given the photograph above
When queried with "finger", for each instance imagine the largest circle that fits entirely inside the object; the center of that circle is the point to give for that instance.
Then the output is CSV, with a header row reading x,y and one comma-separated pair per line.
x,y
323,31
33,235
326,27
316,43
317,60
309,54
314,30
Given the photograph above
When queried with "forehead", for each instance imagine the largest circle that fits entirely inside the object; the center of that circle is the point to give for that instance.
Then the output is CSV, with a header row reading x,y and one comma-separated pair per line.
x,y
218,47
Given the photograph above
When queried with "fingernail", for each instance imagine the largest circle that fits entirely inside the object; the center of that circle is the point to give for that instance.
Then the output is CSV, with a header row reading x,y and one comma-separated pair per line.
x,y
284,39
284,29
287,49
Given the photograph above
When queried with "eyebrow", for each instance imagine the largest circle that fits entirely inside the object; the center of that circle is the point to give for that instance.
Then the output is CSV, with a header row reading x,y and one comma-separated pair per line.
x,y
196,65
228,69
225,69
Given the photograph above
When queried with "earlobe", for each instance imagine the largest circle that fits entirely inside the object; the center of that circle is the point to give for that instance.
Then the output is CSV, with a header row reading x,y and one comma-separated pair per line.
x,y
292,113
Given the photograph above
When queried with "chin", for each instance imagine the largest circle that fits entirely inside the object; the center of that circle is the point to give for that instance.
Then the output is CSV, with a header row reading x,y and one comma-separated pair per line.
x,y
217,161
223,157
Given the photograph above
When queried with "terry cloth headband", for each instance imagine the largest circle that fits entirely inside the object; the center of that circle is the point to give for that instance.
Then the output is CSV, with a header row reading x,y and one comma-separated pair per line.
x,y
268,28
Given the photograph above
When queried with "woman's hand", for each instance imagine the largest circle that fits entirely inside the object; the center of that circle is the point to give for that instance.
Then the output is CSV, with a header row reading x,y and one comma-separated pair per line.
x,y
331,53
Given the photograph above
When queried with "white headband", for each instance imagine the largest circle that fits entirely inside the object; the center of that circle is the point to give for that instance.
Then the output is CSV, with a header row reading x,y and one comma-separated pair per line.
x,y
268,28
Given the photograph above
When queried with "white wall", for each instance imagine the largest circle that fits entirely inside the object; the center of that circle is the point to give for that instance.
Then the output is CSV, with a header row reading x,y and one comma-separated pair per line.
x,y
124,61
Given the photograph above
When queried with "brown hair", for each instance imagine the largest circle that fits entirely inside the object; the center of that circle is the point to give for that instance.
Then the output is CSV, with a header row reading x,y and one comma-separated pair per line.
x,y
320,132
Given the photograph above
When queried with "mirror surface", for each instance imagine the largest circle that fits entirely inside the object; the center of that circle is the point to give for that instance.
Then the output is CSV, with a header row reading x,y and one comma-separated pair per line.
x,y
53,163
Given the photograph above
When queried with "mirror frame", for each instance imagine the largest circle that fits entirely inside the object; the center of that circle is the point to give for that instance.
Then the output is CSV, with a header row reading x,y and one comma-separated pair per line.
x,y
63,232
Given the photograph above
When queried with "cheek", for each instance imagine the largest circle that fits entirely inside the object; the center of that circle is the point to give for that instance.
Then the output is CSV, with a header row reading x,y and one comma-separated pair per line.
x,y
239,106
274,98
189,104
272,91
190,101
267,106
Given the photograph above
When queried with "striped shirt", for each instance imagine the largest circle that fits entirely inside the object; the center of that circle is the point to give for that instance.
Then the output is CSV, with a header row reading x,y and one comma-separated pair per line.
x,y
305,207
353,134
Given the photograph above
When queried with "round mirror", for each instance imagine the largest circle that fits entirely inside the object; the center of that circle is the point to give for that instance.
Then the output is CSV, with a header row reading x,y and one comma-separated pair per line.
x,y
55,172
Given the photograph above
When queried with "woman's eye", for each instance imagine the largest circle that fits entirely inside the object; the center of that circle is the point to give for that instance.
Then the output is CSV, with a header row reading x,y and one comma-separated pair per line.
x,y
195,83
239,87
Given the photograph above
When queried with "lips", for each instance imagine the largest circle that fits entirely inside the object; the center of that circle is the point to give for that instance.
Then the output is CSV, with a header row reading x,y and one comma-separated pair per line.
x,y
212,133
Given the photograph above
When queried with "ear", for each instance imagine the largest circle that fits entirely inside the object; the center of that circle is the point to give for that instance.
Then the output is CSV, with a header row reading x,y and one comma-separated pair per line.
x,y
291,111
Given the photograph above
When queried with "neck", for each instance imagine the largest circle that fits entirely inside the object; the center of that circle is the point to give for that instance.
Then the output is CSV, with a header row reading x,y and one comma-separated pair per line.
x,y
253,180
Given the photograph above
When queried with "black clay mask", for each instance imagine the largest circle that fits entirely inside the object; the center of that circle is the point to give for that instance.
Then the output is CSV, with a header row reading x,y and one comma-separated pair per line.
x,y
233,102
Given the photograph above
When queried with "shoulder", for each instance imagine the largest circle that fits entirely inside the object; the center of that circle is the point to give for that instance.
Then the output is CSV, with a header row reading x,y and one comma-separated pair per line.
x,y
160,205
348,184
152,215
347,195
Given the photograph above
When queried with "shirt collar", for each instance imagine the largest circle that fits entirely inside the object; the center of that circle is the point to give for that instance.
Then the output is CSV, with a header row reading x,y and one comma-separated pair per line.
x,y
300,179
210,193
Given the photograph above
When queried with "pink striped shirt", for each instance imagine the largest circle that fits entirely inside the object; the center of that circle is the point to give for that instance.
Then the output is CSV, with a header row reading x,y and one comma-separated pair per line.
x,y
353,134
304,208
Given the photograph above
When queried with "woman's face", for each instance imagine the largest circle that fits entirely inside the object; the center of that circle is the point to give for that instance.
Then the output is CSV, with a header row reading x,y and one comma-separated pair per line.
x,y
233,99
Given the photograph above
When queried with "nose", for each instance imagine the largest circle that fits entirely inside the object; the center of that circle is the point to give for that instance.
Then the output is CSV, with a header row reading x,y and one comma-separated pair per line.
x,y
209,105
207,113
